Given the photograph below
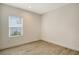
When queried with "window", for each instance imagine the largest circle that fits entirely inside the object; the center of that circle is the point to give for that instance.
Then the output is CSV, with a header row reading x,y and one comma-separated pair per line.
x,y
15,26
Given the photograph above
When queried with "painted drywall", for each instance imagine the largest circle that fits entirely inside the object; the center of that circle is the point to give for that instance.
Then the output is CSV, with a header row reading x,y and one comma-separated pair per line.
x,y
0,22
61,26
31,23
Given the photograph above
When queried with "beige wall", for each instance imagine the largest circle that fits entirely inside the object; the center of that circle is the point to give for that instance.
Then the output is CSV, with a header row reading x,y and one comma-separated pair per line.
x,y
31,27
0,22
61,26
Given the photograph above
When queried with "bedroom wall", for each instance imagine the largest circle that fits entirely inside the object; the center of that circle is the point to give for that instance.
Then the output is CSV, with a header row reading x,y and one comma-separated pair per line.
x,y
61,26
0,24
31,27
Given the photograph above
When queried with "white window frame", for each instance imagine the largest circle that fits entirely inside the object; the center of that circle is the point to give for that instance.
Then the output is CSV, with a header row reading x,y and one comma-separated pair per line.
x,y
17,26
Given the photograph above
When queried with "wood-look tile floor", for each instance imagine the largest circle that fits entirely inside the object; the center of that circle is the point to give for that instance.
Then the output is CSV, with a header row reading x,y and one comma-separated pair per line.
x,y
38,48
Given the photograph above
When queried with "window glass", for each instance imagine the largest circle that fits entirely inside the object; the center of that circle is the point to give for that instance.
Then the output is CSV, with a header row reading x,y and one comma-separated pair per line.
x,y
15,26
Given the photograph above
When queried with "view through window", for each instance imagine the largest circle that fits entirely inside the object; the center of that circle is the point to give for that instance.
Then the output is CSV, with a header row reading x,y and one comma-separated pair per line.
x,y
15,26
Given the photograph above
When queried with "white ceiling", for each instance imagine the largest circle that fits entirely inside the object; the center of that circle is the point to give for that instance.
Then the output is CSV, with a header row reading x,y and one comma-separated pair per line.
x,y
39,8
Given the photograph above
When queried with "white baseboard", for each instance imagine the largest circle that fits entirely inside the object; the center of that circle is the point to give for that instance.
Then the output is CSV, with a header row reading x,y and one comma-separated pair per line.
x,y
18,44
47,40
